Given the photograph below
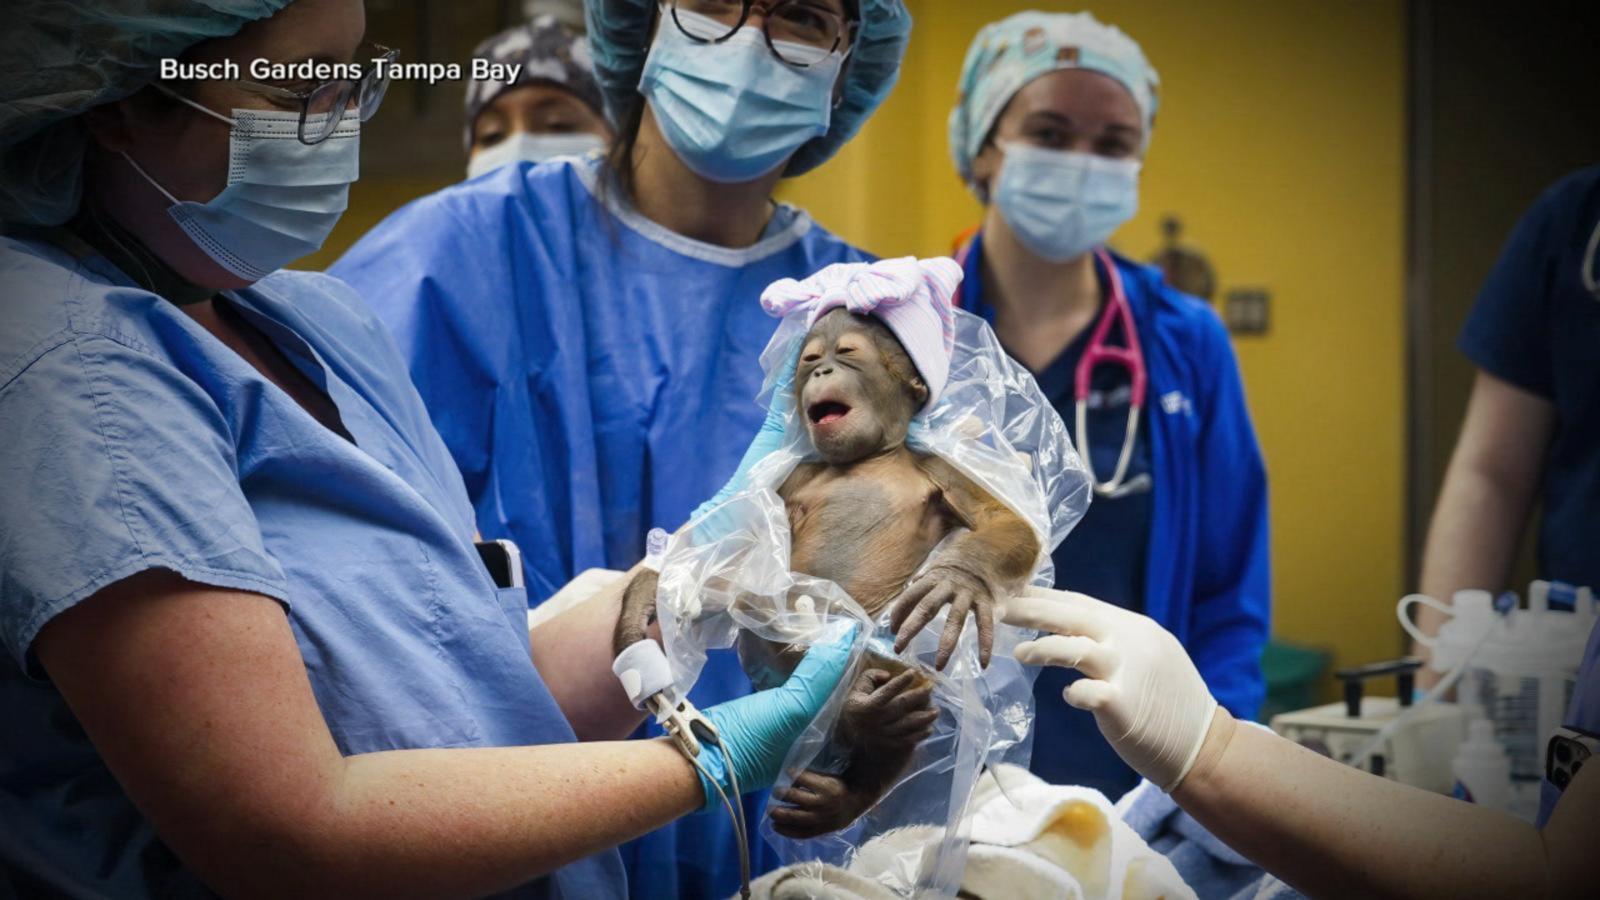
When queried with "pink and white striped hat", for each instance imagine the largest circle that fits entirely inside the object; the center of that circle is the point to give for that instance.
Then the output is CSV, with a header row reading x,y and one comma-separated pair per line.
x,y
912,296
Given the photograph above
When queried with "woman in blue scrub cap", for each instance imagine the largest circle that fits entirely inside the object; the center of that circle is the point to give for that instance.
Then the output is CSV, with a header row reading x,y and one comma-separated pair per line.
x,y
250,647
1050,132
586,332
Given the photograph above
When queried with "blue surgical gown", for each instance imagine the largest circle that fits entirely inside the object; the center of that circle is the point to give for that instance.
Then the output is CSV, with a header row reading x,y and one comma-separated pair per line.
x,y
594,376
135,440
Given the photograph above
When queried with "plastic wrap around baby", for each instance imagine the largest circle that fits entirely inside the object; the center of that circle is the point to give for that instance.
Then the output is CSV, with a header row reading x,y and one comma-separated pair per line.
x,y
868,513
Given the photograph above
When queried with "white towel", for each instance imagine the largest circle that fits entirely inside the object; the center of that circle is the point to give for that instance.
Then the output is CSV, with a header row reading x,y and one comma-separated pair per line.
x,y
1029,841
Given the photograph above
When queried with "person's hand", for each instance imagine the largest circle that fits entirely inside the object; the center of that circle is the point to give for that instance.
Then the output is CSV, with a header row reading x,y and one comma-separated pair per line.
x,y
769,439
1145,693
758,730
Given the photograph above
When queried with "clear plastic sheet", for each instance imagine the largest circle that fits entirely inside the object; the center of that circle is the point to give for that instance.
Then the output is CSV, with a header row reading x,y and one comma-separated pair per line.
x,y
727,573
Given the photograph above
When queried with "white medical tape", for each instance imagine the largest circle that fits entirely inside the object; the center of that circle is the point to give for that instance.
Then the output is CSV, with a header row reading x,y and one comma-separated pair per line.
x,y
643,670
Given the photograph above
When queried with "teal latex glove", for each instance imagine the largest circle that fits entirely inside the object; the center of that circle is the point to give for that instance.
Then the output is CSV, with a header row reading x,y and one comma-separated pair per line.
x,y
758,730
767,440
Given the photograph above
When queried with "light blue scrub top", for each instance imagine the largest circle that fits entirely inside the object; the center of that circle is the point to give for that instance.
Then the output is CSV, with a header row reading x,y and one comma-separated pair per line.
x,y
133,440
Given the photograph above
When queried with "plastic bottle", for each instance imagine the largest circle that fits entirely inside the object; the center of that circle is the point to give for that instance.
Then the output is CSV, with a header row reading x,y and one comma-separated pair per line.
x,y
1482,769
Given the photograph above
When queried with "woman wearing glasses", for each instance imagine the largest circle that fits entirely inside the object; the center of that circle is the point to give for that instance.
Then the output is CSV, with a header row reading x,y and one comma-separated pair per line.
x,y
249,645
1054,118
585,333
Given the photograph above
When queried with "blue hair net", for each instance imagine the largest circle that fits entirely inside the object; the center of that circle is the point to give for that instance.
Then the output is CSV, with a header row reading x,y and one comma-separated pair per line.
x,y
59,58
619,40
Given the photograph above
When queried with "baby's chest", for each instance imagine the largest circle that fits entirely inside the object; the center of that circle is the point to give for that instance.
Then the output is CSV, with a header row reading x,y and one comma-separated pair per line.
x,y
858,508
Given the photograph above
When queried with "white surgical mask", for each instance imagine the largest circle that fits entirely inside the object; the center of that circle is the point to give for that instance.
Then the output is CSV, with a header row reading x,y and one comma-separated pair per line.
x,y
283,197
732,111
535,148
1061,203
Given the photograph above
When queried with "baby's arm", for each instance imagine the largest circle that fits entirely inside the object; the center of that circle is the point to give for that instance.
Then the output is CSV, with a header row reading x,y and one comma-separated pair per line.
x,y
973,572
639,600
638,610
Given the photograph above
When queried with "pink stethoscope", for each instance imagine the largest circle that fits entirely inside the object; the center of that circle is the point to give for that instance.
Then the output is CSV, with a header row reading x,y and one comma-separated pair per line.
x,y
1099,351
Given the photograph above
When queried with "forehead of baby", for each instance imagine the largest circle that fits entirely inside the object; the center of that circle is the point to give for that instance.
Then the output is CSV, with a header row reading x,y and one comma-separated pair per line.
x,y
843,332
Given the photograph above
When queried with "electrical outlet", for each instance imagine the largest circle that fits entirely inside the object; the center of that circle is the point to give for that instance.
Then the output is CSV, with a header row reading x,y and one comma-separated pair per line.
x,y
1246,310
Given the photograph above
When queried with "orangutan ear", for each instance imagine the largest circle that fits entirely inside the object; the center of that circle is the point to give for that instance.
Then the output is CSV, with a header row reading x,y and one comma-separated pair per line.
x,y
919,390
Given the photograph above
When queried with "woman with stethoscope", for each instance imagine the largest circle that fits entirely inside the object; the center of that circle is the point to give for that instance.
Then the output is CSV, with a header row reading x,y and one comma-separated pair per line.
x,y
1053,119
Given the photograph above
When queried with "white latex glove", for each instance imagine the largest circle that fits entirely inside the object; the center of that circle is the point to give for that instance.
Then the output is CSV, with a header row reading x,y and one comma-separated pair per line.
x,y
1145,693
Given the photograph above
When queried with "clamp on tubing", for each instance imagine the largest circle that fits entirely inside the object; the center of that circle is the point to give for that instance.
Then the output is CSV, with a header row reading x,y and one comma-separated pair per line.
x,y
647,678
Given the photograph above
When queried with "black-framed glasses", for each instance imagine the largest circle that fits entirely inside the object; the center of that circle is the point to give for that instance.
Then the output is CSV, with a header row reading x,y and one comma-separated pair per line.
x,y
322,107
799,32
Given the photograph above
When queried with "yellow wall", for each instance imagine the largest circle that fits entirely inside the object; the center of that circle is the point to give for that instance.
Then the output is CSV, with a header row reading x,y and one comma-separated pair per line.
x,y
1280,143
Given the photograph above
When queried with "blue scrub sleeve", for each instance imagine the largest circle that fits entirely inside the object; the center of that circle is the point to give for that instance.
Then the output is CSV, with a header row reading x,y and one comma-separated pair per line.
x,y
1507,332
476,340
1232,605
114,463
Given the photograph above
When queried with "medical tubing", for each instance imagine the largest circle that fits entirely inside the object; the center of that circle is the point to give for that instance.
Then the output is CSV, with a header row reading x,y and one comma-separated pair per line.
x,y
1410,626
1129,436
733,816
739,823
1445,684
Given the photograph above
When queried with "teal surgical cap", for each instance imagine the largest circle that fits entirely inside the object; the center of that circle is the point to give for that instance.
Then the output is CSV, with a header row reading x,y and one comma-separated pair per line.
x,y
59,58
619,40
1008,54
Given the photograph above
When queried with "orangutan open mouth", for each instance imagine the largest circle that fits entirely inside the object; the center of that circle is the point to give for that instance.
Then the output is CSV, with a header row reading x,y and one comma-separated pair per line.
x,y
827,411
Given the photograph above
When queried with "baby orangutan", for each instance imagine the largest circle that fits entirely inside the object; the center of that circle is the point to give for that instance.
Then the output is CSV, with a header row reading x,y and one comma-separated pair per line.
x,y
866,516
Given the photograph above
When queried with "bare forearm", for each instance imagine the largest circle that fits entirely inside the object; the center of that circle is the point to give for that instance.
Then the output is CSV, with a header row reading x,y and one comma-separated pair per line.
x,y
469,822
198,701
1487,493
573,654
1331,830
1472,539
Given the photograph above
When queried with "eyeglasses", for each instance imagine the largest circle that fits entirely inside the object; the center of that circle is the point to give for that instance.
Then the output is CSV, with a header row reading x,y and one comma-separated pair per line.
x,y
322,107
799,32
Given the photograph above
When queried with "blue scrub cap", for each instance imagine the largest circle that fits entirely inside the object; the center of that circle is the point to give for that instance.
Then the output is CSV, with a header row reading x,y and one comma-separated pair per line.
x,y
1008,54
619,39
550,52
59,58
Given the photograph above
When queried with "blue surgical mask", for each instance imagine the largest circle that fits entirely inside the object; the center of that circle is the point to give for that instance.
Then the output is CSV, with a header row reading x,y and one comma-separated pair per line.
x,y
733,111
283,197
535,148
1060,203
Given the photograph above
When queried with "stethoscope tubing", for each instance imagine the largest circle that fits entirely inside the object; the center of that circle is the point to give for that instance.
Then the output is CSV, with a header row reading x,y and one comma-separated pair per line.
x,y
1130,357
